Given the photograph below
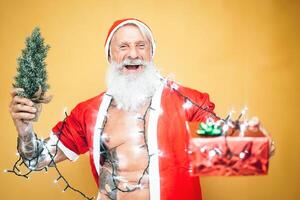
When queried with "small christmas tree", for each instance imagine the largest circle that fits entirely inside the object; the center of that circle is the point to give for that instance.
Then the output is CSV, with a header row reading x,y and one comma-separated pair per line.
x,y
31,71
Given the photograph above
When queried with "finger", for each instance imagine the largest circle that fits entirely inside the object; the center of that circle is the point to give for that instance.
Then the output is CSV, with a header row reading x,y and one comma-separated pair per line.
x,y
22,100
23,116
23,108
15,91
272,153
272,148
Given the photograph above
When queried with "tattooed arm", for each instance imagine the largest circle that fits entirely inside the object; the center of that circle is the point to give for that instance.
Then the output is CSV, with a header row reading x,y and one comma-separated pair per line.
x,y
36,153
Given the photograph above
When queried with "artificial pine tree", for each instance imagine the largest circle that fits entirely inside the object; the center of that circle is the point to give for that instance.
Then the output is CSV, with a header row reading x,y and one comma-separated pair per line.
x,y
31,71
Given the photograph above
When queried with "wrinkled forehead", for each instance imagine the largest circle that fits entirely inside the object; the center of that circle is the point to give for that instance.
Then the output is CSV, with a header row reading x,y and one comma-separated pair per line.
x,y
125,33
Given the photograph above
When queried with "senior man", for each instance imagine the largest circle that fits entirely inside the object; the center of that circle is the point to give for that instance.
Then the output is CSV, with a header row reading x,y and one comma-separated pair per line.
x,y
135,132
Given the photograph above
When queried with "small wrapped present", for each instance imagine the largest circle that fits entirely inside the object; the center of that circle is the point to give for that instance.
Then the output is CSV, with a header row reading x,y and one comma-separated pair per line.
x,y
228,148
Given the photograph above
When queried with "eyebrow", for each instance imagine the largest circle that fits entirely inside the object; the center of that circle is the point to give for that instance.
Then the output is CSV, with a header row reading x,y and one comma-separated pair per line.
x,y
137,42
123,43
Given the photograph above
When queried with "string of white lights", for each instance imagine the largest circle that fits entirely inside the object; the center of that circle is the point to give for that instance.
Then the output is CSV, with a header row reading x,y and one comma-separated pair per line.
x,y
188,103
27,162
104,152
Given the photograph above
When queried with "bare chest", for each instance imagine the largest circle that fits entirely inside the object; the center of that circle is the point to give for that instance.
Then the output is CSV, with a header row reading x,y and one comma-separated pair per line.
x,y
127,160
125,135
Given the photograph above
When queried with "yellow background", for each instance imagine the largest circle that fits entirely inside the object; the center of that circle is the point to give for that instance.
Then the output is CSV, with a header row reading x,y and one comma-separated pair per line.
x,y
240,52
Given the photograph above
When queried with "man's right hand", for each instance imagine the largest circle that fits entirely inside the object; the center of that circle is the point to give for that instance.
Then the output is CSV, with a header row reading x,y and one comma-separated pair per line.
x,y
22,111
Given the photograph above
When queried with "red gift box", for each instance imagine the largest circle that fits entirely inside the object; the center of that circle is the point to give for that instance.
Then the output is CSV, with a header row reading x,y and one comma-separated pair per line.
x,y
228,155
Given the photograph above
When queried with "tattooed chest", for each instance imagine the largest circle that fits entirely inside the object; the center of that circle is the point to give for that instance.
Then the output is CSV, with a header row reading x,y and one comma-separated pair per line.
x,y
124,171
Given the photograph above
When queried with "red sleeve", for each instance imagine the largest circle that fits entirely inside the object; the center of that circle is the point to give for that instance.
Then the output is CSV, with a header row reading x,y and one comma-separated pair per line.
x,y
71,134
203,109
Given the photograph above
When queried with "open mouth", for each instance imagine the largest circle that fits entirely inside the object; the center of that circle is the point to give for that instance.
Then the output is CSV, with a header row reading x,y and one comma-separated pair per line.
x,y
132,67
129,66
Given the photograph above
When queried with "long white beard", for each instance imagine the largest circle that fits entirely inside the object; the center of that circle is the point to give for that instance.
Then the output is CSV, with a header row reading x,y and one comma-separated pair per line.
x,y
131,91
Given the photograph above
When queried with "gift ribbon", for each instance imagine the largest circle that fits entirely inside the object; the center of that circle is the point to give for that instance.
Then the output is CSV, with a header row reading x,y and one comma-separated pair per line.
x,y
209,129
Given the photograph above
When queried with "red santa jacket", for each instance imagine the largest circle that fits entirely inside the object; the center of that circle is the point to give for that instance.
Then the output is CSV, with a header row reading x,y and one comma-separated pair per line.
x,y
172,107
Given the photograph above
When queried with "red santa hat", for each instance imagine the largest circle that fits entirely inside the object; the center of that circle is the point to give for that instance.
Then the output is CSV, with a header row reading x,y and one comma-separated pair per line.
x,y
122,22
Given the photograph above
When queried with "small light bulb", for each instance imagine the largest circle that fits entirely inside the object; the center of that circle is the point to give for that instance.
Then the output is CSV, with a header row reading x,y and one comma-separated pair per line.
x,y
174,86
242,155
125,185
188,104
225,128
231,113
119,106
160,153
211,153
65,110
104,137
160,111
245,109
202,149
140,186
138,116
137,150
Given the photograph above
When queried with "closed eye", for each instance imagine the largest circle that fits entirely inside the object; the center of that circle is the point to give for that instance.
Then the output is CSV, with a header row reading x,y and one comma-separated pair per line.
x,y
122,47
141,46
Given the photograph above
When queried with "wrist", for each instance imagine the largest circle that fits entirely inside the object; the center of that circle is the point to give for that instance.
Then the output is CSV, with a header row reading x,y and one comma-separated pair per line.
x,y
25,130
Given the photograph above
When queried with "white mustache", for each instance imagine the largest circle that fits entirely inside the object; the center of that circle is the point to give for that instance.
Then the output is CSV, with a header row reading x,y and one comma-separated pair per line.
x,y
131,62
